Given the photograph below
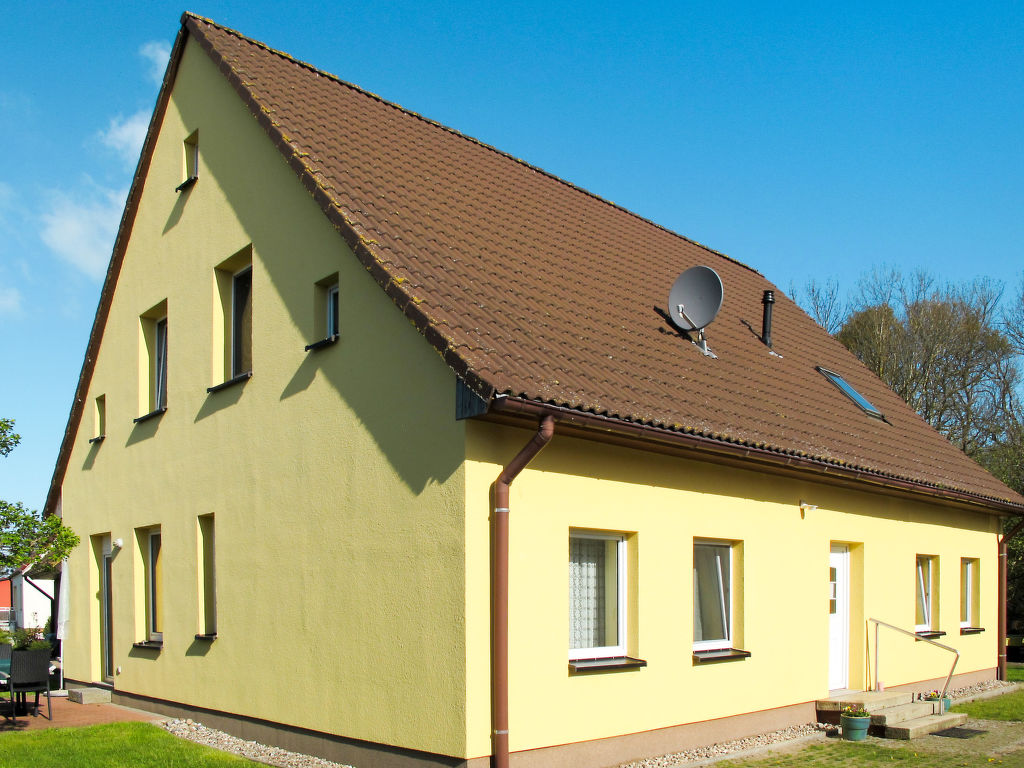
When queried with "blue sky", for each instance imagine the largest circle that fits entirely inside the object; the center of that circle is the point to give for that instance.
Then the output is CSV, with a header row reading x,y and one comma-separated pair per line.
x,y
806,141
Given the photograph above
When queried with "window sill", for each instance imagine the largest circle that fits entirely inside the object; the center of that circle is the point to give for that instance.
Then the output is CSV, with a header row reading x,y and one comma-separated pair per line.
x,y
719,654
98,438
612,662
186,184
150,415
239,379
207,637
316,345
971,630
149,645
928,634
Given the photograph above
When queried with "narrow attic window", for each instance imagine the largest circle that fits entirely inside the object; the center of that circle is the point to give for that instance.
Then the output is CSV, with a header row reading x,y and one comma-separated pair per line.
x,y
191,168
850,392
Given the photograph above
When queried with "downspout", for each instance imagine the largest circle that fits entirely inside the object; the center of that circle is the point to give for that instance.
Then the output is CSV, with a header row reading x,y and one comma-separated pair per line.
x,y
1004,542
499,587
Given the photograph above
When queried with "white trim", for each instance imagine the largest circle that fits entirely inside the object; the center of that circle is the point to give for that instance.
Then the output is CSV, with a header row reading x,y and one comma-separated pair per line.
x,y
619,649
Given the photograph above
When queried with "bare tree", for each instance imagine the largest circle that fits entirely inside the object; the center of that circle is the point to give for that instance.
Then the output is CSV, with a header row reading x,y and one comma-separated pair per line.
x,y
821,302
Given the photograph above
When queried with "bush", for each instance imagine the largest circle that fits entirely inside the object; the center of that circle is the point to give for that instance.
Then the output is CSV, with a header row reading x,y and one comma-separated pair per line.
x,y
28,639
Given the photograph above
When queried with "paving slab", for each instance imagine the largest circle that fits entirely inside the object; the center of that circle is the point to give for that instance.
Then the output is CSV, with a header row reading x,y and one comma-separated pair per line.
x,y
67,714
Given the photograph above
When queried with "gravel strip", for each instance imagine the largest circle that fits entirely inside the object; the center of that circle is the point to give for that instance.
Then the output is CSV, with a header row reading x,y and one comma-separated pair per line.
x,y
193,731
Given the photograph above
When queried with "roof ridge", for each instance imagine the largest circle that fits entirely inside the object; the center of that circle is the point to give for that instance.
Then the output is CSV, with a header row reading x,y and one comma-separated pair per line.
x,y
455,132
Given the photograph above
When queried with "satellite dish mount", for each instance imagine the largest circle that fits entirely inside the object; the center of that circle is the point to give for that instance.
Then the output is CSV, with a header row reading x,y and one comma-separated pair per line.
x,y
694,301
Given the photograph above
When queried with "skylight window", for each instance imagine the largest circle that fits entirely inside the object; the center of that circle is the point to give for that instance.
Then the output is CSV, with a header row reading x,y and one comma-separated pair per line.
x,y
850,392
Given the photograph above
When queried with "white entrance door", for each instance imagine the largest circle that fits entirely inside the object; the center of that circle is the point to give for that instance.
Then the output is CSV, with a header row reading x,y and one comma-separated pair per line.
x,y
838,617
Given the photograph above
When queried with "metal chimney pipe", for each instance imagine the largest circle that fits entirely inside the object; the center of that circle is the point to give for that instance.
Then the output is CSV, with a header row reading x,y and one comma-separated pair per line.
x,y
766,319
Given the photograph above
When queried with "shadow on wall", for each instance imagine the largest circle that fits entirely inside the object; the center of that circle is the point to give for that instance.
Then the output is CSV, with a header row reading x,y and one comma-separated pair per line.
x,y
402,393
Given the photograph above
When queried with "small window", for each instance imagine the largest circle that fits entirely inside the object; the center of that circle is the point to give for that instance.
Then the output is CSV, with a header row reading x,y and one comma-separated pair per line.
x,y
99,412
154,586
191,161
332,311
850,392
597,595
232,331
326,306
924,620
207,577
241,322
153,361
712,595
970,593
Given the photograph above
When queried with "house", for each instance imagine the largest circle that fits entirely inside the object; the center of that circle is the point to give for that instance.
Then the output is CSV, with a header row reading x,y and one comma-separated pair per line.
x,y
386,447
26,601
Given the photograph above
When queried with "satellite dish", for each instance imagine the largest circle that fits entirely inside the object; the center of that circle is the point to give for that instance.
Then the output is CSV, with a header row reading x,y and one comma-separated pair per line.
x,y
695,298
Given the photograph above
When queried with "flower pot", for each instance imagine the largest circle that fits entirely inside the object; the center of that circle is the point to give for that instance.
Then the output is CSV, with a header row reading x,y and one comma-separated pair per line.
x,y
854,728
947,702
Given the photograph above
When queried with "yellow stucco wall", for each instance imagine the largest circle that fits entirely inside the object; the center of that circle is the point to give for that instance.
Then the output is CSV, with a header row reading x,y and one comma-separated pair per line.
x,y
782,604
335,476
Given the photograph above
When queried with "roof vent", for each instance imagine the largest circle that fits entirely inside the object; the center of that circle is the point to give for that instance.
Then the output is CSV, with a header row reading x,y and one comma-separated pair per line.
x,y
694,301
766,319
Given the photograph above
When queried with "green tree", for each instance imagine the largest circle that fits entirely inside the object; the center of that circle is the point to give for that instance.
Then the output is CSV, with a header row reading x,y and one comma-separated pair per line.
x,y
27,538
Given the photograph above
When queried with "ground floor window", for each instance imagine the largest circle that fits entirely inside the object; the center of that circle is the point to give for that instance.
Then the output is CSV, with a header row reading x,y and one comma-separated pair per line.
x,y
969,592
597,595
923,620
712,595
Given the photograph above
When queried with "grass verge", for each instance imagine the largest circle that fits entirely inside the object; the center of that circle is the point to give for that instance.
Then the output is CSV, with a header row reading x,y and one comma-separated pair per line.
x,y
114,745
846,755
1009,706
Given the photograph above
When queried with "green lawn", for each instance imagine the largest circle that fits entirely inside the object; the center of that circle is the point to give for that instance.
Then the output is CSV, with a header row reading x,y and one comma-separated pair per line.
x,y
866,755
115,745
1007,707
1016,674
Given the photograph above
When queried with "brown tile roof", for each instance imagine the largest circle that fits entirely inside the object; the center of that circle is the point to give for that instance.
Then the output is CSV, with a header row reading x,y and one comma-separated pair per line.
x,y
531,287
534,288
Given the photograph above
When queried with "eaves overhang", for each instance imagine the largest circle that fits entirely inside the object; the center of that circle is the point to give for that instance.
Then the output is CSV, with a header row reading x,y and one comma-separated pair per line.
x,y
647,437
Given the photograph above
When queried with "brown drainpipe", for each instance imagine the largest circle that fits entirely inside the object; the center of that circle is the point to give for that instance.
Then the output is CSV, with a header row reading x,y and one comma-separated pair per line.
x,y
499,581
1004,542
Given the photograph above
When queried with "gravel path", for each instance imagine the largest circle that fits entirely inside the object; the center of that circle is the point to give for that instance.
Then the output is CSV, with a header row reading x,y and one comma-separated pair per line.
x,y
795,735
193,731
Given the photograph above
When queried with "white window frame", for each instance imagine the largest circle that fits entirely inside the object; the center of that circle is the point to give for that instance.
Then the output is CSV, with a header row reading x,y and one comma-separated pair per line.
x,y
160,364
727,609
333,310
968,578
608,651
154,617
926,593
236,370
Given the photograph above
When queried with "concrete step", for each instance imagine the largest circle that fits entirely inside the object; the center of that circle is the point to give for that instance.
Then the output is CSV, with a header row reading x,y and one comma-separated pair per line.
x,y
922,726
903,712
89,695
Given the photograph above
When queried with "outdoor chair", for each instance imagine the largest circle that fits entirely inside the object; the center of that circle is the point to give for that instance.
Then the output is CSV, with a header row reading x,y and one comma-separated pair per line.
x,y
30,673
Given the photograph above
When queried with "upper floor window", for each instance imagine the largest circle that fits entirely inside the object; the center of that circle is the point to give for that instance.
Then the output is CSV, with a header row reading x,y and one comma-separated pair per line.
x,y
191,161
327,306
233,312
153,361
241,322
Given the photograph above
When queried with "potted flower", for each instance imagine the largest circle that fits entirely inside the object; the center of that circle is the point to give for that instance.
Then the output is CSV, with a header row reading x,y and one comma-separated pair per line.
x,y
937,696
854,722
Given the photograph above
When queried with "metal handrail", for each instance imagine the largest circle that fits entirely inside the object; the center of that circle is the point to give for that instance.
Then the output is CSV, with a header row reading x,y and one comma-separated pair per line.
x,y
918,638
